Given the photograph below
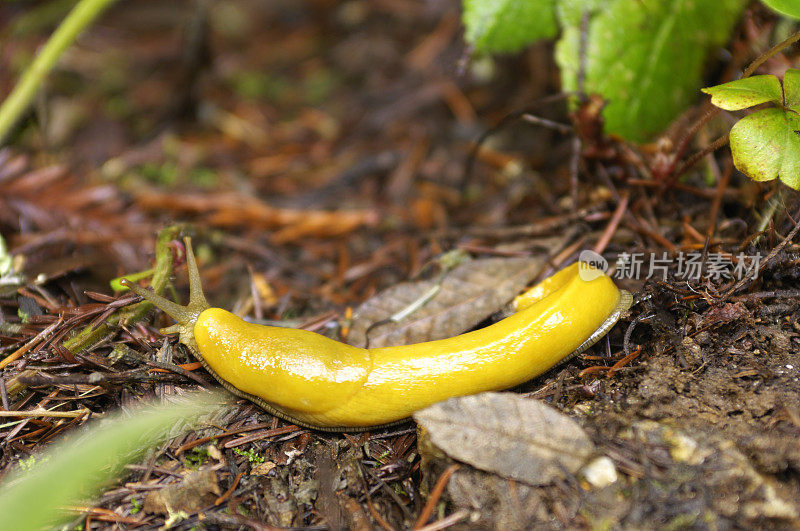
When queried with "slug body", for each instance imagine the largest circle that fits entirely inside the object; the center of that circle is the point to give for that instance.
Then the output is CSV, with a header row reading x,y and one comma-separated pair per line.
x,y
321,383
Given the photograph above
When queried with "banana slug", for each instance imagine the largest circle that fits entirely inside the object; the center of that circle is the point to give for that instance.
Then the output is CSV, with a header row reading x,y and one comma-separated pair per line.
x,y
320,383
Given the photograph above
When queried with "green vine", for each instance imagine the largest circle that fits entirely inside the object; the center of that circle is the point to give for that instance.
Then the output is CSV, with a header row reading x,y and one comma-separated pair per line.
x,y
84,13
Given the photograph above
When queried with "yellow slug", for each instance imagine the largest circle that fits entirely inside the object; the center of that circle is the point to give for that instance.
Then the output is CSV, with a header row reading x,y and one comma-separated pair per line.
x,y
317,382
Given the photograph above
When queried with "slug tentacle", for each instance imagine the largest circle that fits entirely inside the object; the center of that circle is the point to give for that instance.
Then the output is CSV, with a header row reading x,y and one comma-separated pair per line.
x,y
197,300
176,311
186,316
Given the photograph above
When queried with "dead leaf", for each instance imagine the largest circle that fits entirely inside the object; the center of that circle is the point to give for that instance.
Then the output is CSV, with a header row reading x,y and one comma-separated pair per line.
x,y
468,294
508,435
262,469
727,313
196,491
231,209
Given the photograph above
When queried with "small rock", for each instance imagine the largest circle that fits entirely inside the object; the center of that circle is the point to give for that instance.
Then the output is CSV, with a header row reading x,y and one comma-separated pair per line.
x,y
600,473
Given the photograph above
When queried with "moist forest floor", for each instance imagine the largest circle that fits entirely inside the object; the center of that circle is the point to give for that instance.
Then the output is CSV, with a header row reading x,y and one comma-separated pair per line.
x,y
322,152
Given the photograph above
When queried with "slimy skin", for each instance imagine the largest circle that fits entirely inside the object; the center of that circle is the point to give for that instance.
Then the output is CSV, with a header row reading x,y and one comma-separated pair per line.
x,y
320,383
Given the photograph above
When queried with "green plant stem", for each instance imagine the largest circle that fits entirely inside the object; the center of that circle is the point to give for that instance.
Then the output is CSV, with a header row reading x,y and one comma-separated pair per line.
x,y
161,273
116,283
785,43
90,336
20,98
768,213
711,148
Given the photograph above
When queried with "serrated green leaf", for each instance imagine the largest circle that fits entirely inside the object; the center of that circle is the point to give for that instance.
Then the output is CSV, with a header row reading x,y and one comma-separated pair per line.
x,y
791,89
505,26
744,93
766,145
645,57
787,7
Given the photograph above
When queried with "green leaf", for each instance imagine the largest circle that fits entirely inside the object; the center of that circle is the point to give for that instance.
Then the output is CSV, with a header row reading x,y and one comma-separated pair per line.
x,y
766,145
789,8
644,56
744,93
32,497
500,26
791,89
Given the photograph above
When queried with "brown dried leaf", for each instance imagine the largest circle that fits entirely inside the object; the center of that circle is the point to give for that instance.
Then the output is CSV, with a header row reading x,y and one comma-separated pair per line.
x,y
196,491
508,435
231,209
262,469
468,294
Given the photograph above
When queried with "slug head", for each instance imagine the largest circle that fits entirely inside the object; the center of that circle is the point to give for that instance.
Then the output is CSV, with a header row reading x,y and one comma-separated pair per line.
x,y
186,316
